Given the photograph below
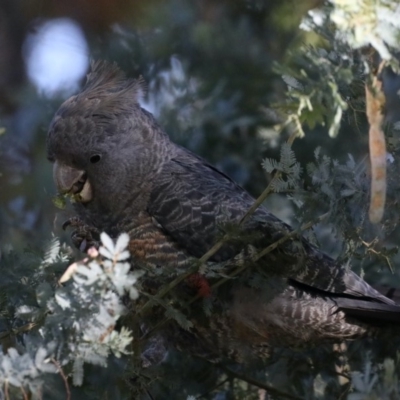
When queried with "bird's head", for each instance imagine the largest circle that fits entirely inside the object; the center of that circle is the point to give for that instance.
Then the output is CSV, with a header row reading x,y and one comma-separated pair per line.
x,y
105,148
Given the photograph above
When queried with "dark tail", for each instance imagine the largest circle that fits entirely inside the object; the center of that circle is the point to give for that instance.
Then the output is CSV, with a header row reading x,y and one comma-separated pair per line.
x,y
388,291
371,312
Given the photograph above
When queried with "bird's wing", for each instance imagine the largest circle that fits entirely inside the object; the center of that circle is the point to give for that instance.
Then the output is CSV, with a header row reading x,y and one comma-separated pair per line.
x,y
192,201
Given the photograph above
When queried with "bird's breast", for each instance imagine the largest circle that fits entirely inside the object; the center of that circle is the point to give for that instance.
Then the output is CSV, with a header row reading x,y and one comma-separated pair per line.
x,y
152,246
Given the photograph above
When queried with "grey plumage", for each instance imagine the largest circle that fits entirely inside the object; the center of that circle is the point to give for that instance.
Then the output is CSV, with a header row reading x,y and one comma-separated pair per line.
x,y
174,205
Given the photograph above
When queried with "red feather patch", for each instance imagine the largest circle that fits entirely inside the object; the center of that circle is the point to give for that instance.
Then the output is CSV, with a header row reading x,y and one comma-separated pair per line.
x,y
199,283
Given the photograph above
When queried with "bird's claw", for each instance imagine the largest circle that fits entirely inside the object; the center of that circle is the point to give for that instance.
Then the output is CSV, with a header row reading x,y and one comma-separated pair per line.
x,y
84,236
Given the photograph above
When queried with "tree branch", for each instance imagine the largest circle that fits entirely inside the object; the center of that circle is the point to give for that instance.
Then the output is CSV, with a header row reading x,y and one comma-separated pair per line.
x,y
254,382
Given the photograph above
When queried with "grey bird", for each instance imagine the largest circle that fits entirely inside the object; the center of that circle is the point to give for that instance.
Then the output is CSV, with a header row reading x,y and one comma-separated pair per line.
x,y
126,175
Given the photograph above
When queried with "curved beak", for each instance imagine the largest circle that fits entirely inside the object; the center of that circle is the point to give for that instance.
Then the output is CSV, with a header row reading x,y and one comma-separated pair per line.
x,y
72,181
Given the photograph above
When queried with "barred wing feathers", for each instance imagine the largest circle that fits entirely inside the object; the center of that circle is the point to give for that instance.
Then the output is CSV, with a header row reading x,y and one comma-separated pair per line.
x,y
192,200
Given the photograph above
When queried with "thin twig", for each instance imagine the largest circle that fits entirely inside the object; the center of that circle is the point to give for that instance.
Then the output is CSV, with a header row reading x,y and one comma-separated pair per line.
x,y
268,190
23,328
345,391
241,268
6,390
167,288
270,248
254,382
65,379
156,299
215,387
24,394
149,394
16,331
155,328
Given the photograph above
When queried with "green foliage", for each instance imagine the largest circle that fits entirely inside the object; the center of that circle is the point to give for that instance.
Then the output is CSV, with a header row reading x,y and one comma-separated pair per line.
x,y
313,80
375,383
368,22
288,166
72,324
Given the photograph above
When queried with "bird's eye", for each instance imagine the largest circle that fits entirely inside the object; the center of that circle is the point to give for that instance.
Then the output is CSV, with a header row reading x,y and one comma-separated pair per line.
x,y
95,158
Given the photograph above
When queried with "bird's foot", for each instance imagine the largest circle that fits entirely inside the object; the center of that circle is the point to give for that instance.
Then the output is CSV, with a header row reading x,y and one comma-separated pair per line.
x,y
84,236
